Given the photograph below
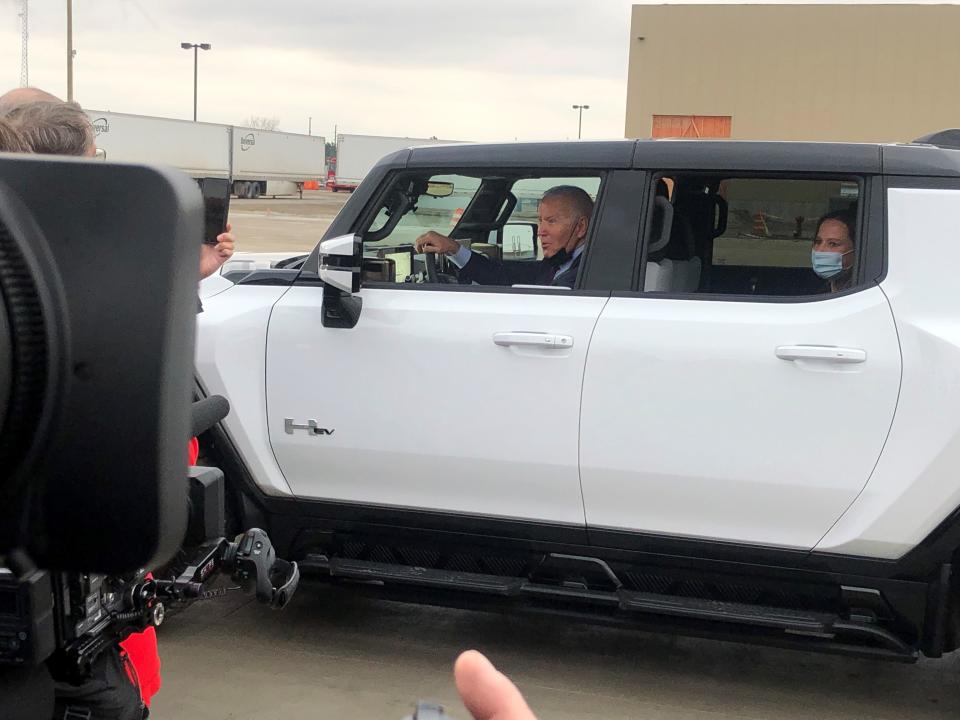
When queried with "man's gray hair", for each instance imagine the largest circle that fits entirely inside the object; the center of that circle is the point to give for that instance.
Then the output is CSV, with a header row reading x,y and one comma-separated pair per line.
x,y
54,128
11,141
13,99
578,198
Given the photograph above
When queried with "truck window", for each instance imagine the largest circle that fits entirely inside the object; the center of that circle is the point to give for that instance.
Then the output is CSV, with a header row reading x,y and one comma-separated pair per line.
x,y
388,251
494,216
753,236
516,244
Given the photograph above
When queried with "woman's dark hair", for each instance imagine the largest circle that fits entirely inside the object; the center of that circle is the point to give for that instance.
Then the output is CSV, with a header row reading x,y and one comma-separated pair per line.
x,y
848,217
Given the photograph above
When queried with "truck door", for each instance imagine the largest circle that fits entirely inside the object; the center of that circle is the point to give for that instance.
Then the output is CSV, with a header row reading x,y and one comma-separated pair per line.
x,y
736,395
444,397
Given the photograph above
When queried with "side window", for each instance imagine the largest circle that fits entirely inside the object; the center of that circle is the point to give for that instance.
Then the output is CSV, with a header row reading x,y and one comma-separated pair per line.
x,y
752,236
491,228
413,206
517,242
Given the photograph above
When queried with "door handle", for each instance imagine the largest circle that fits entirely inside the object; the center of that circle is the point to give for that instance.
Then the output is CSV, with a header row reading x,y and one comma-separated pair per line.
x,y
532,339
829,353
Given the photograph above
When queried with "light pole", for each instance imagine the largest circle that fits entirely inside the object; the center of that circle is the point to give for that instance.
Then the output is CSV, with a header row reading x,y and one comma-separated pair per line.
x,y
309,126
581,108
69,50
195,46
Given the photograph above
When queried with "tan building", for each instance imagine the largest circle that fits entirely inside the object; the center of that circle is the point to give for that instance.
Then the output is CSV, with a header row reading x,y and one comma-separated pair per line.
x,y
870,73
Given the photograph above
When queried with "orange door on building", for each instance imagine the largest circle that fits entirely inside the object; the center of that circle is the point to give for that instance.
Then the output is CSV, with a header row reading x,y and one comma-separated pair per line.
x,y
691,126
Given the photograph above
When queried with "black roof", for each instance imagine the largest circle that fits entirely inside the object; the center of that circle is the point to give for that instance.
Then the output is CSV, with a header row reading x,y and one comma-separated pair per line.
x,y
819,157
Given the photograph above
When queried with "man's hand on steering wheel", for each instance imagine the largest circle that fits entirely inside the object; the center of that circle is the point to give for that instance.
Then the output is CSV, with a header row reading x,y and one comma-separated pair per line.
x,y
432,244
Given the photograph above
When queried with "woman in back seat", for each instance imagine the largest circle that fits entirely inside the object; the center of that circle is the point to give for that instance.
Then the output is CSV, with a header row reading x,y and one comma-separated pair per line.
x,y
833,255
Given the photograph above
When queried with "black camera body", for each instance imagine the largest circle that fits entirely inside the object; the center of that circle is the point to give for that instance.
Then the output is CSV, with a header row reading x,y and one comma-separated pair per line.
x,y
27,622
98,275
46,612
67,618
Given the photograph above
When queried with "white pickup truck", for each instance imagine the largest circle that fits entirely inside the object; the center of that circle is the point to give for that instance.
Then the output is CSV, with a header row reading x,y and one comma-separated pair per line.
x,y
701,433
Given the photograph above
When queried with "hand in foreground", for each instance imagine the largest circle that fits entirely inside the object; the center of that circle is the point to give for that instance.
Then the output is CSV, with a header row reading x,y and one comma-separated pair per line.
x,y
486,692
436,243
212,257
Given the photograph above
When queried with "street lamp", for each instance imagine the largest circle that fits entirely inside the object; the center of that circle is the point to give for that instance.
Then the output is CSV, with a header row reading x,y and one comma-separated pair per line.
x,y
581,108
195,46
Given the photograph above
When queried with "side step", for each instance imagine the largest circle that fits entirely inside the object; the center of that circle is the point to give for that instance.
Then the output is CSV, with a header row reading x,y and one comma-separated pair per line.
x,y
797,622
816,625
365,570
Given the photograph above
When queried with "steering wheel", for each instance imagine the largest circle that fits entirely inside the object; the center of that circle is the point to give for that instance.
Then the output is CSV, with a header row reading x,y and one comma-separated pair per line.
x,y
430,267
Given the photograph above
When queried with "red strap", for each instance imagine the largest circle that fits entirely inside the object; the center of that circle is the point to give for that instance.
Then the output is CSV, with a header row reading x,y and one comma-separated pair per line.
x,y
141,650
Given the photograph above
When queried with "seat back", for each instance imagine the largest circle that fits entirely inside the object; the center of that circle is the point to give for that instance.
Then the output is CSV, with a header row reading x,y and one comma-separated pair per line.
x,y
658,276
490,250
686,275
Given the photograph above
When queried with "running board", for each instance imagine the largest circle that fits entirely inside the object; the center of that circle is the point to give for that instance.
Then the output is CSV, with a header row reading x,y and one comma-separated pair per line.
x,y
792,621
364,570
814,625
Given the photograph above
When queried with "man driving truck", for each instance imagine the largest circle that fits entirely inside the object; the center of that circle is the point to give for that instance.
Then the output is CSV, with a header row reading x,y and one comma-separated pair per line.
x,y
564,216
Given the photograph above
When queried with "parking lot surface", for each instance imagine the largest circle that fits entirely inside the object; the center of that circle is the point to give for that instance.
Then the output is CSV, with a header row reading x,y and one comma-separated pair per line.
x,y
271,225
333,654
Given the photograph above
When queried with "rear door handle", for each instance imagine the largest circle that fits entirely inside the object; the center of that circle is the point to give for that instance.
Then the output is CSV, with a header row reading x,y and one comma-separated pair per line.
x,y
829,353
532,339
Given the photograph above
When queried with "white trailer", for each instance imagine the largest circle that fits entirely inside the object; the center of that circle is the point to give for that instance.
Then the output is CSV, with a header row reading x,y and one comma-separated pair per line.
x,y
357,154
259,162
267,162
198,149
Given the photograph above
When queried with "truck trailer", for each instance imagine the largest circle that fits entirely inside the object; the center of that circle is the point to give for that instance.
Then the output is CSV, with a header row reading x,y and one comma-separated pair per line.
x,y
266,162
357,154
258,162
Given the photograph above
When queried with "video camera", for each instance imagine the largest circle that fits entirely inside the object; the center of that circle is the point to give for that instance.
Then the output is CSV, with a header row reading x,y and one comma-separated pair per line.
x,y
69,618
98,273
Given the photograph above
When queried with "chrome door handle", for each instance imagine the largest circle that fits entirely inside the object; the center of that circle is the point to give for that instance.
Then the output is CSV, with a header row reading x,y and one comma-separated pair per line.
x,y
829,353
532,339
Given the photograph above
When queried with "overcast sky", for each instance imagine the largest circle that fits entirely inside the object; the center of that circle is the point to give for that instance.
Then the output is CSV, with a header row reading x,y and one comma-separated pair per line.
x,y
490,70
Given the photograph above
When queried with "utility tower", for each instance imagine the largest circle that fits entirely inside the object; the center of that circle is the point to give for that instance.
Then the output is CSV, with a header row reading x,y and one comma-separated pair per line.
x,y
24,36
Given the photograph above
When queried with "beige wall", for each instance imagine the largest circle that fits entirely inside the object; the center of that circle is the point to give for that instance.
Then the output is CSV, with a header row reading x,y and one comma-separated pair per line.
x,y
871,73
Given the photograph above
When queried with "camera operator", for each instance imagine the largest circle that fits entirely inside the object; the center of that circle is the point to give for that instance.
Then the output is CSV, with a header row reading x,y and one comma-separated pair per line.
x,y
11,140
125,678
50,126
23,95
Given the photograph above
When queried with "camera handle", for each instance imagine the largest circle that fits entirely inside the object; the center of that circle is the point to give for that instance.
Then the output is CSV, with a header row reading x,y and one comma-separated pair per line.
x,y
250,557
275,580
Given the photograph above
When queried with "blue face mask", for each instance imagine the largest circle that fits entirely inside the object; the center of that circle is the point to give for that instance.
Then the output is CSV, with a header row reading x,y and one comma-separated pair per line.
x,y
827,264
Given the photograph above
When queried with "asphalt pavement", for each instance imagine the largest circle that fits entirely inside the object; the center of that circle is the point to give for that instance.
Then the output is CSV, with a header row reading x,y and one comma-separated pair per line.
x,y
273,225
333,654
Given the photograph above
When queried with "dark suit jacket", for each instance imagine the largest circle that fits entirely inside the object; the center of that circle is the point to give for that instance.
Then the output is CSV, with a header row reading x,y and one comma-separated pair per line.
x,y
483,270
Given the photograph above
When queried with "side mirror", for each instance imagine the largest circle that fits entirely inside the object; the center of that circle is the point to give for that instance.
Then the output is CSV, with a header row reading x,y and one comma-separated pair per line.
x,y
340,263
340,260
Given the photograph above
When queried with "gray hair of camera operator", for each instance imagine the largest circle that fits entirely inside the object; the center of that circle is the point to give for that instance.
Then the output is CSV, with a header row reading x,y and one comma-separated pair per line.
x,y
54,128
